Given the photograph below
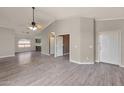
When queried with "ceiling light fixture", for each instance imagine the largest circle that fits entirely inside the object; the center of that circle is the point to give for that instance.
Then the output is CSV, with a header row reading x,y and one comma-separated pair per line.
x,y
33,23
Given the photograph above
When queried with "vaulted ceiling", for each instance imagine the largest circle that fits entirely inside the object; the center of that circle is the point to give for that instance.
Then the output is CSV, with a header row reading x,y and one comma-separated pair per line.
x,y
19,18
92,12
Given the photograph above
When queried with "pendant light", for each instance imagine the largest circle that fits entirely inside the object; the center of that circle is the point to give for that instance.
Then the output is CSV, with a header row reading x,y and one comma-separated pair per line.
x,y
33,23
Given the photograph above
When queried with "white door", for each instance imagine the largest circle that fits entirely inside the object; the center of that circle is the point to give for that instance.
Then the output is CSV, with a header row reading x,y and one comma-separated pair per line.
x,y
52,45
59,46
110,47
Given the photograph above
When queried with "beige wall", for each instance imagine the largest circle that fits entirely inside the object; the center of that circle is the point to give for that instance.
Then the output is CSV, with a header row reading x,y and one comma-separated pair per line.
x,y
72,27
7,42
111,25
45,38
87,40
61,27
76,28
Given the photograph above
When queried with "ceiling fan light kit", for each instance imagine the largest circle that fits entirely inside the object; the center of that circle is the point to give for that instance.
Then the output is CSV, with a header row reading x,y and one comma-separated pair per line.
x,y
33,28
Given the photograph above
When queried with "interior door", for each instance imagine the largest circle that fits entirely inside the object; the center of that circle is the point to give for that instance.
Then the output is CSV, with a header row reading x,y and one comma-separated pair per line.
x,y
52,45
110,47
59,46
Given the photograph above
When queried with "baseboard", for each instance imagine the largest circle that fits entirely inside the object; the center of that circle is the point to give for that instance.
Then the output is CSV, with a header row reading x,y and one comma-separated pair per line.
x,y
97,61
66,54
77,62
121,65
7,56
45,54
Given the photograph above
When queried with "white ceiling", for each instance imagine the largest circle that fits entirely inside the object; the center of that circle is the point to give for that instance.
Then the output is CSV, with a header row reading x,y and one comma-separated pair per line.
x,y
20,18
92,12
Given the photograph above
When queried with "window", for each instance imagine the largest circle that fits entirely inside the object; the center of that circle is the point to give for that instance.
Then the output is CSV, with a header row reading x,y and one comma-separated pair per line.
x,y
24,43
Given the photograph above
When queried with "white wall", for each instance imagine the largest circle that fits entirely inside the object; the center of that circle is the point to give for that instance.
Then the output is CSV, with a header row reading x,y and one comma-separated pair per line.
x,y
31,38
111,25
76,28
7,42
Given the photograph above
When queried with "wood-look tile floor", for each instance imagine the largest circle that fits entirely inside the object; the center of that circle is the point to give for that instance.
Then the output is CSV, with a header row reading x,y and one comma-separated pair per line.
x,y
32,68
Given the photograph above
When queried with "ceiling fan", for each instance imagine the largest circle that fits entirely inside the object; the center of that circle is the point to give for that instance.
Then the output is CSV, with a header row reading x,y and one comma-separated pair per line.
x,y
34,26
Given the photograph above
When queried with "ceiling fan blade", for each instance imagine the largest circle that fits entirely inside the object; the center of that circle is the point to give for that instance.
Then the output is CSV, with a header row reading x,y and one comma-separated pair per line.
x,y
39,26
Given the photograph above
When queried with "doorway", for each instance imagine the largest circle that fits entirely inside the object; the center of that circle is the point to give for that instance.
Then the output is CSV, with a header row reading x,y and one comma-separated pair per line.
x,y
109,45
63,45
52,43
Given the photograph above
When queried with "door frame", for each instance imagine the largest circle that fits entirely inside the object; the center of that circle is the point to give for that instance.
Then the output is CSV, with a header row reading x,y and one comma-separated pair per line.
x,y
56,43
98,46
49,36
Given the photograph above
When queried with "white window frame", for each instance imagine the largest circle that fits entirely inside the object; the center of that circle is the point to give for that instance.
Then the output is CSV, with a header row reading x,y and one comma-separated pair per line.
x,y
24,43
